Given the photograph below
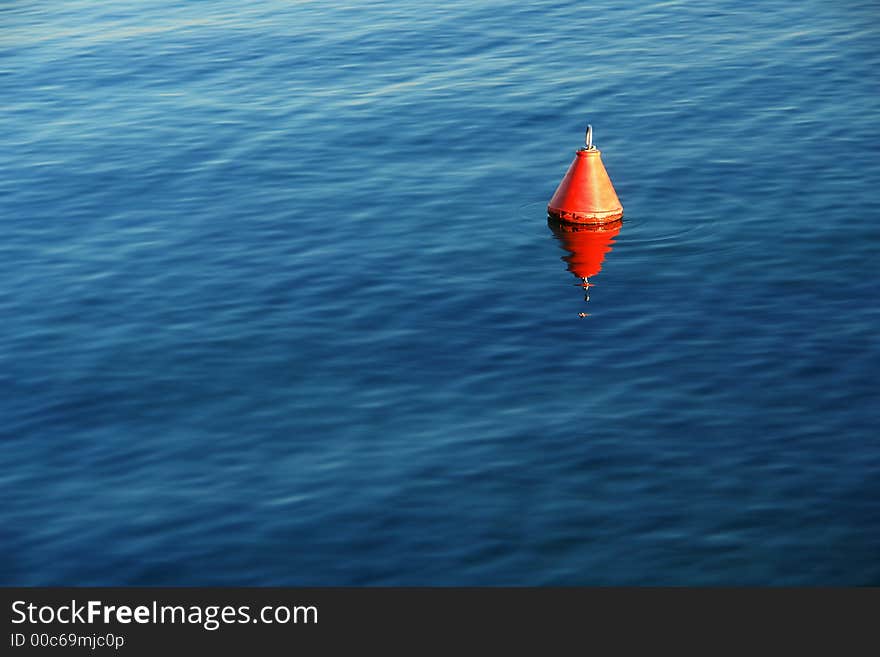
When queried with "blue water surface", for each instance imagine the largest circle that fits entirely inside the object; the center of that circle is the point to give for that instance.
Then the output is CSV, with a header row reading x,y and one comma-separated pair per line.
x,y
281,305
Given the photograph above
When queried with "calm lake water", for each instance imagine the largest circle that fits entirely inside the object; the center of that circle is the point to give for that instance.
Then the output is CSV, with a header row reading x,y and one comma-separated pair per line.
x,y
281,305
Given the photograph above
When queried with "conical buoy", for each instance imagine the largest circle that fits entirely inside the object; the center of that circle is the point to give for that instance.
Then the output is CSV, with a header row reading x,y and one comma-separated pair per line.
x,y
586,195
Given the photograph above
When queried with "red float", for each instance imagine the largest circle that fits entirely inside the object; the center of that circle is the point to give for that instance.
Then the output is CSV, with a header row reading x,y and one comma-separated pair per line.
x,y
586,195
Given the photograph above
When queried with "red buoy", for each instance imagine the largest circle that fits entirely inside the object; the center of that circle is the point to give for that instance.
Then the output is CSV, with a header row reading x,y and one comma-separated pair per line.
x,y
586,195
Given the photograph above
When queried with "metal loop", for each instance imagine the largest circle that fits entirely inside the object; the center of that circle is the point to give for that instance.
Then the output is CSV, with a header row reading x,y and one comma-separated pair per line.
x,y
588,139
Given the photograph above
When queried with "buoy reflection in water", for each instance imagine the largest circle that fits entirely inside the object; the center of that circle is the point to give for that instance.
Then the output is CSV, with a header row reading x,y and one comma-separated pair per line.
x,y
586,246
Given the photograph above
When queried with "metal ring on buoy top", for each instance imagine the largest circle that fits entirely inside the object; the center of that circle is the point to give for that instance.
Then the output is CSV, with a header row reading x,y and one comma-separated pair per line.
x,y
588,138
